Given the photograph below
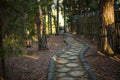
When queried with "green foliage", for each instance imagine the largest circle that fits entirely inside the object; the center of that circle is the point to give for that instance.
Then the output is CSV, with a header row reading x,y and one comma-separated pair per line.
x,y
19,22
94,5
77,7
19,17
117,4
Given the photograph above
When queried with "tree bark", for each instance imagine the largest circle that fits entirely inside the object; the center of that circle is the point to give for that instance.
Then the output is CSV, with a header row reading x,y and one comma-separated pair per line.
x,y
106,23
2,53
57,27
42,43
64,16
50,21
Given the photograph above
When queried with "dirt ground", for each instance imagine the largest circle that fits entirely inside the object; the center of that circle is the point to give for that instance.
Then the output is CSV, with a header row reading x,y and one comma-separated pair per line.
x,y
104,67
34,66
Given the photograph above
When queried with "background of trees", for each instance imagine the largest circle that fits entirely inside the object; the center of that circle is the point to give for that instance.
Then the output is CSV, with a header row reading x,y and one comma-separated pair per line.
x,y
95,18
25,21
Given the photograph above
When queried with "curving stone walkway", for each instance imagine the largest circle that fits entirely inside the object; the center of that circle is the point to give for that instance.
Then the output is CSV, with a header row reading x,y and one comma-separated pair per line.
x,y
68,65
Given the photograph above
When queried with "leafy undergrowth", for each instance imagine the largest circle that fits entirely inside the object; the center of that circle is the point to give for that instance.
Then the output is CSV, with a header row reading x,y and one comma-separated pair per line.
x,y
34,65
104,67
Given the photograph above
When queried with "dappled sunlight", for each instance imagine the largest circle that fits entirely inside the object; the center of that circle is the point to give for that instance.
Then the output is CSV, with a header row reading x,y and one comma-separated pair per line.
x,y
41,30
59,60
115,58
32,57
108,17
55,58
34,38
100,53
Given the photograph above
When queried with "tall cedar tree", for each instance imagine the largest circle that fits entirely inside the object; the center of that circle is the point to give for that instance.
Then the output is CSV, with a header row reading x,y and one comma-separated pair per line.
x,y
106,26
42,43
2,59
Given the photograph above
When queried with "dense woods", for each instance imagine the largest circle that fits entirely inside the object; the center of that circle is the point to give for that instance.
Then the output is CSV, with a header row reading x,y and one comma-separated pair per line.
x,y
24,22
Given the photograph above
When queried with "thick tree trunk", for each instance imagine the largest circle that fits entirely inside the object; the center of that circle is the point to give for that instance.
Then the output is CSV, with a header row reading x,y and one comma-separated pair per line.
x,y
2,73
107,23
2,53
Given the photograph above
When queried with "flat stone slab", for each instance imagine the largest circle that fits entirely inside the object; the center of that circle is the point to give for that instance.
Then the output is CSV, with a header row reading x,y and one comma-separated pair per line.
x,y
74,54
77,73
80,68
60,75
72,57
62,61
71,49
66,78
63,69
59,65
64,56
68,52
72,65
74,61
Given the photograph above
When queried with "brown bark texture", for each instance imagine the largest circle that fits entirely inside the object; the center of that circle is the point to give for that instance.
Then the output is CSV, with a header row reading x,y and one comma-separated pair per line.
x,y
106,26
2,59
42,43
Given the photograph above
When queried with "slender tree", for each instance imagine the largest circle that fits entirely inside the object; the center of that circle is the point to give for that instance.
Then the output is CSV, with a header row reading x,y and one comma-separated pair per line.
x,y
64,5
42,43
48,10
49,18
57,26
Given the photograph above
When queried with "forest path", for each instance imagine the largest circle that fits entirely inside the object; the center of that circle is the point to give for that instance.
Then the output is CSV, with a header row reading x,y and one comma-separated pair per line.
x,y
68,64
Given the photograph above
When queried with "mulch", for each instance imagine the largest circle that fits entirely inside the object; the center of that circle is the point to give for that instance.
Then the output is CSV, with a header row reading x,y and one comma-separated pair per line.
x,y
104,67
34,65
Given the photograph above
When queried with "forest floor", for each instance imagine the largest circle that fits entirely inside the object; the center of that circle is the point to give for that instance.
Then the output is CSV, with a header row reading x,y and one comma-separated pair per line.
x,y
34,66
105,67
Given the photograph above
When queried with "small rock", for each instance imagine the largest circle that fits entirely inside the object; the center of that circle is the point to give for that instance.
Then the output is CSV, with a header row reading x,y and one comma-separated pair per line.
x,y
62,61
77,73
66,78
63,69
64,56
72,65
60,75
72,57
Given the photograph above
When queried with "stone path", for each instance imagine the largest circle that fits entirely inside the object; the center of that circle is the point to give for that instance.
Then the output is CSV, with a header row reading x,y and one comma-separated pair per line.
x,y
68,66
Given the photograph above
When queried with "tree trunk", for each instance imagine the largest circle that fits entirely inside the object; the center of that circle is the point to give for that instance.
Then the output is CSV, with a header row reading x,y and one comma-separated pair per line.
x,y
57,27
107,24
64,16
41,32
51,21
2,58
2,53
44,37
38,22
